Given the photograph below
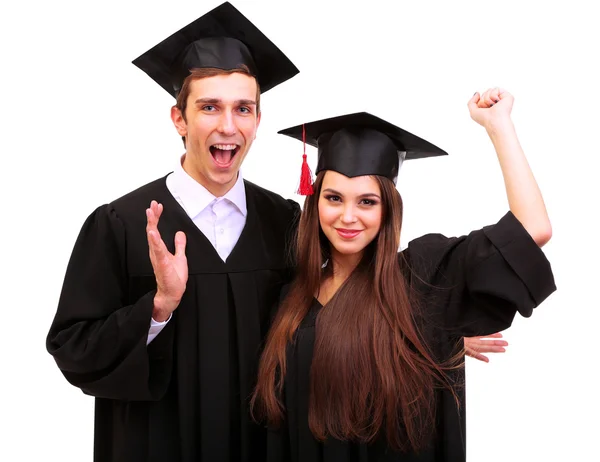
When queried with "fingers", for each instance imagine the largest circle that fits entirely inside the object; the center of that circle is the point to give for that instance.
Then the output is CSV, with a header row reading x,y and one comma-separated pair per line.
x,y
472,104
180,242
489,98
477,355
507,98
491,349
151,218
498,100
494,346
491,346
155,243
483,342
153,213
482,358
152,232
154,240
496,335
474,98
486,339
158,249
488,342
157,208
495,95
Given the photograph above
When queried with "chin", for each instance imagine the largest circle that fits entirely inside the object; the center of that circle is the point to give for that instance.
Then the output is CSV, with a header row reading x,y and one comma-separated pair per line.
x,y
348,249
225,177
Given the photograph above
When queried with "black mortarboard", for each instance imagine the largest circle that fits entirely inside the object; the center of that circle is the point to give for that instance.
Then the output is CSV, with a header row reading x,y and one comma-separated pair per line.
x,y
222,38
361,144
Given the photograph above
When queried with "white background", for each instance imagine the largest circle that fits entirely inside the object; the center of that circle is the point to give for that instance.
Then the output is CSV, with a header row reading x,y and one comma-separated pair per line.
x,y
80,126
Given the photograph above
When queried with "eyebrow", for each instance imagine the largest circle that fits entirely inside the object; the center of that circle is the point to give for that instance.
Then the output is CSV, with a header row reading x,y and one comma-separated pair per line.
x,y
362,196
239,102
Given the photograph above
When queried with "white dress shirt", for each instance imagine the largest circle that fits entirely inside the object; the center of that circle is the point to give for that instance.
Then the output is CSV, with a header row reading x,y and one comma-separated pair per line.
x,y
221,219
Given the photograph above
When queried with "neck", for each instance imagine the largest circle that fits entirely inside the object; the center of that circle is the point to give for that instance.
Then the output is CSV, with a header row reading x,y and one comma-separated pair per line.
x,y
216,189
343,265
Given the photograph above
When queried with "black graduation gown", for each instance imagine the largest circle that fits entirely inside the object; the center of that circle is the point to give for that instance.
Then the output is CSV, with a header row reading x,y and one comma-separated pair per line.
x,y
185,396
471,285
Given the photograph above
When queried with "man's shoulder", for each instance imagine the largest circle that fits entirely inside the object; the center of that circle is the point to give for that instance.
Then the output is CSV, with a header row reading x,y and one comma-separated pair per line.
x,y
131,206
154,190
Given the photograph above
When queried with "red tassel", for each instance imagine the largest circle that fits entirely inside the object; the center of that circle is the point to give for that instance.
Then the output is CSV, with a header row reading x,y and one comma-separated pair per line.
x,y
306,181
305,188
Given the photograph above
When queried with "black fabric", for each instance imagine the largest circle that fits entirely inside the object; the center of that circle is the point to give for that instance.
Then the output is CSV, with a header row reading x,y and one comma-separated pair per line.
x,y
185,396
361,144
224,39
467,286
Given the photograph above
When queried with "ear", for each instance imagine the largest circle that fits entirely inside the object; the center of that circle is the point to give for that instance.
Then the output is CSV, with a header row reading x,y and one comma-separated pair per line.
x,y
179,121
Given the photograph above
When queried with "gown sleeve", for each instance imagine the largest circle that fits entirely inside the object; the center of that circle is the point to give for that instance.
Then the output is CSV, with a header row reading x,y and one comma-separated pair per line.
x,y
98,336
477,283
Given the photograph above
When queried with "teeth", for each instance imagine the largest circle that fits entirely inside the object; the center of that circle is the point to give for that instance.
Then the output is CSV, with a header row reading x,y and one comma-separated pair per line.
x,y
225,147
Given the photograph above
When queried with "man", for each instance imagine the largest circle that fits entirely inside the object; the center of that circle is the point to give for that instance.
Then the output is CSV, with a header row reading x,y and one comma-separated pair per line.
x,y
167,337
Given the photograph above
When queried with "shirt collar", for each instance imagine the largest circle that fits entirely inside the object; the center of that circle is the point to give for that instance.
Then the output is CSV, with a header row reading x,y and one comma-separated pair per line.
x,y
195,197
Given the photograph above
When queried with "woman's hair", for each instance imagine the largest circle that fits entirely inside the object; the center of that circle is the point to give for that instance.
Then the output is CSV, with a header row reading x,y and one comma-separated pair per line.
x,y
371,371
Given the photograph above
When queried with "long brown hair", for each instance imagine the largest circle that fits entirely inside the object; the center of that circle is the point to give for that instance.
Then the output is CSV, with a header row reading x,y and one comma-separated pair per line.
x,y
371,370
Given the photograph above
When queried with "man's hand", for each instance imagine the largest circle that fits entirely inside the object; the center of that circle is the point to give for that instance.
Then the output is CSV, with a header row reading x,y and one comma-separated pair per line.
x,y
171,271
475,346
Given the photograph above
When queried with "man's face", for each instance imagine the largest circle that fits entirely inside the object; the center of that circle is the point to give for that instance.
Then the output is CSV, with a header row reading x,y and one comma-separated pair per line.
x,y
219,128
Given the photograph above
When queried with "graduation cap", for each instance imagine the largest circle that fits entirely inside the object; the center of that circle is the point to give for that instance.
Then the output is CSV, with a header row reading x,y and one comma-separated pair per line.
x,y
359,144
223,38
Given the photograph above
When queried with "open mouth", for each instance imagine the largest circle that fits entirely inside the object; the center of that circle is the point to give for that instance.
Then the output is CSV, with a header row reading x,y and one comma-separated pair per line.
x,y
223,154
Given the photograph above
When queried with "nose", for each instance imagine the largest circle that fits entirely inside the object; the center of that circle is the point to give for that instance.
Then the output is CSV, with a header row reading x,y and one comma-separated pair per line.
x,y
348,214
227,124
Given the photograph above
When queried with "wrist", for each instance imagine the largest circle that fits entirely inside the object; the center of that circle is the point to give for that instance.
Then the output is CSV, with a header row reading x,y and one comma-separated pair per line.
x,y
160,315
163,307
499,126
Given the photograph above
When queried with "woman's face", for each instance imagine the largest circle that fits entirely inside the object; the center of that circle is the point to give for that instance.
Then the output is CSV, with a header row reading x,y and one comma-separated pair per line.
x,y
349,211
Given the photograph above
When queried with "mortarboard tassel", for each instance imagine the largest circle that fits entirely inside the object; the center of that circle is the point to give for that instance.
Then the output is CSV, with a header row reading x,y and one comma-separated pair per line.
x,y
306,181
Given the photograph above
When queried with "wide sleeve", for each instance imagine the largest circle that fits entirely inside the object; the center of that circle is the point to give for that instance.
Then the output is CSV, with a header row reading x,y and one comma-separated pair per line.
x,y
98,336
477,283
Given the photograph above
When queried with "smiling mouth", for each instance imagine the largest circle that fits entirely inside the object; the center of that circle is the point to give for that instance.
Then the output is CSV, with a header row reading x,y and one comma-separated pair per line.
x,y
348,233
223,154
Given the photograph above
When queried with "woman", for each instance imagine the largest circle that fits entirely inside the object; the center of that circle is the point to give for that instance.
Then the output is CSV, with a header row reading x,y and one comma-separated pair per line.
x,y
362,362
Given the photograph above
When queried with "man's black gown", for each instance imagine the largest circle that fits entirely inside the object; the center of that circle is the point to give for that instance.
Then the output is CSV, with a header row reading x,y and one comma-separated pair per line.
x,y
185,396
